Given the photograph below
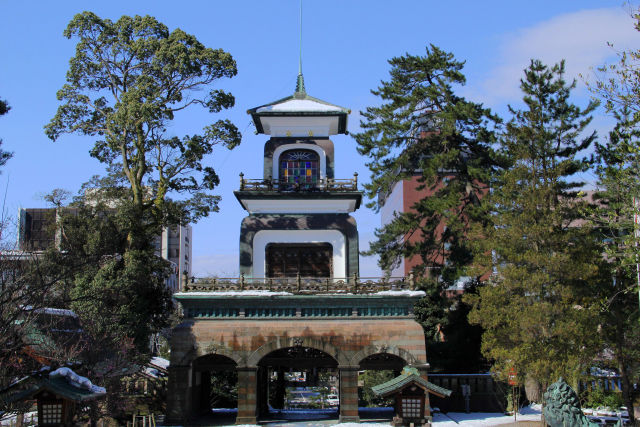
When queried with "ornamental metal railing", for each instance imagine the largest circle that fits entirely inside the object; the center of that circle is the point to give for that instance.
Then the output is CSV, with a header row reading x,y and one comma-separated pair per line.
x,y
300,285
285,185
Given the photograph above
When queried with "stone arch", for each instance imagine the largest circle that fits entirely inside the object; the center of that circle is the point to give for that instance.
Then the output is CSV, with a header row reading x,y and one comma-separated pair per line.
x,y
213,348
406,355
286,342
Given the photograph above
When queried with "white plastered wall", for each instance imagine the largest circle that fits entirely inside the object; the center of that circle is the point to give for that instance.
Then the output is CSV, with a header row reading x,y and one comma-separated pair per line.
x,y
334,237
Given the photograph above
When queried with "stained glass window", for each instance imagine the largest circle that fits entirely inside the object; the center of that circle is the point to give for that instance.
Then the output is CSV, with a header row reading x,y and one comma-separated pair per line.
x,y
300,166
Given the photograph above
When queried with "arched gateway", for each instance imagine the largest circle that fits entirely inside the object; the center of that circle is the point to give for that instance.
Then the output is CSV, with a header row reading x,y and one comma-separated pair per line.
x,y
299,302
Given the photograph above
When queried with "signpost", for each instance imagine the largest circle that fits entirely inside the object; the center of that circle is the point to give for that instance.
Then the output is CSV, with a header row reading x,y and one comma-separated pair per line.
x,y
513,382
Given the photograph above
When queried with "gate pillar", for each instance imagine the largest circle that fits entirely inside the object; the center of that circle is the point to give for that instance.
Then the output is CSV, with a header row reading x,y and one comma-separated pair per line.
x,y
179,396
247,402
348,394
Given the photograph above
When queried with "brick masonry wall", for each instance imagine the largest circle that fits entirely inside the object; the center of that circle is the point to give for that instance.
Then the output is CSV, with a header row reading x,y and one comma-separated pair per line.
x,y
247,341
348,340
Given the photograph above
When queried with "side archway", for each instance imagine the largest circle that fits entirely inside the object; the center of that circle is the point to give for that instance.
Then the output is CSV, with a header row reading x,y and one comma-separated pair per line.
x,y
213,382
216,349
372,350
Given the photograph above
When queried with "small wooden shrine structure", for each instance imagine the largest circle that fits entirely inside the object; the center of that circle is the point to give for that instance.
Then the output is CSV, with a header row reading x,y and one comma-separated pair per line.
x,y
56,394
411,393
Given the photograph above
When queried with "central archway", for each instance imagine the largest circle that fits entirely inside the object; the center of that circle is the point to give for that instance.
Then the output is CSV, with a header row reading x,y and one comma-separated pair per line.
x,y
298,382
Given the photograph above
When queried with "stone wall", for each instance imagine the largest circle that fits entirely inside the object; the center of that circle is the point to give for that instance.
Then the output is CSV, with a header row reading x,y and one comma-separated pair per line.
x,y
247,341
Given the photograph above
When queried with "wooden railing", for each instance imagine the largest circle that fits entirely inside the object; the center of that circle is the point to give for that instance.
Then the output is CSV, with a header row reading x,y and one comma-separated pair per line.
x,y
326,184
300,285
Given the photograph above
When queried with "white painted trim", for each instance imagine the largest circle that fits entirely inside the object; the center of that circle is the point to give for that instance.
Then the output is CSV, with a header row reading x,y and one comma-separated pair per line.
x,y
300,125
275,169
301,206
263,237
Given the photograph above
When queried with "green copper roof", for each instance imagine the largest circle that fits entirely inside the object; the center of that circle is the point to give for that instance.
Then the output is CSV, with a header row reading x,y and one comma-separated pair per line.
x,y
300,85
408,376
56,385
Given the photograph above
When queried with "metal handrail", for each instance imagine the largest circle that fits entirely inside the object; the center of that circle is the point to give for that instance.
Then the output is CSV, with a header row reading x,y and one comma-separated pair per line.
x,y
300,285
324,184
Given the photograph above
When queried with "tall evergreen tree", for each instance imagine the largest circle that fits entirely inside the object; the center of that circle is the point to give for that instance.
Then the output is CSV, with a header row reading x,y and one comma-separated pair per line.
x,y
618,171
537,308
423,127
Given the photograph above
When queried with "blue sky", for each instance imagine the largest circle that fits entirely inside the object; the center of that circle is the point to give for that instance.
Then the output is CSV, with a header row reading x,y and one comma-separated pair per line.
x,y
346,45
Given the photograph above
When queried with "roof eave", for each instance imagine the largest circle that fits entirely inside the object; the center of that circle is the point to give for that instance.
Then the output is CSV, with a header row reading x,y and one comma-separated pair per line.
x,y
342,117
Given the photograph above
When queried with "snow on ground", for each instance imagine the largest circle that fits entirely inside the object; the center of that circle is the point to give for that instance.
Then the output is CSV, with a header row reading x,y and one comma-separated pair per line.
x,y
478,419
10,419
451,419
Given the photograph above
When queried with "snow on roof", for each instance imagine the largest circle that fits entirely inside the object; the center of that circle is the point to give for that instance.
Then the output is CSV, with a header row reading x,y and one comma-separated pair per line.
x,y
249,293
56,311
77,380
153,372
160,362
402,293
298,105
602,372
260,293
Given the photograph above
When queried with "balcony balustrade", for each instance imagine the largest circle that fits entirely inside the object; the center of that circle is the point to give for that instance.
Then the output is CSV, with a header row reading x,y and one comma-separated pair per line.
x,y
284,185
300,285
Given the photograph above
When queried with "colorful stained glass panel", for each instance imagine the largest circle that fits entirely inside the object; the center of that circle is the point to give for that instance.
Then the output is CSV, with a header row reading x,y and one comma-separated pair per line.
x,y
300,166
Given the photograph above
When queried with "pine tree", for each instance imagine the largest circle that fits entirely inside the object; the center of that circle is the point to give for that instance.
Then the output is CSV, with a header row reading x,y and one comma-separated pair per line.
x,y
613,218
423,127
537,309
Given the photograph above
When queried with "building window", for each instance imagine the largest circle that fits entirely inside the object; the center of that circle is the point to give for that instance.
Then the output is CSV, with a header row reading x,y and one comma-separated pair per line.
x,y
308,260
52,413
411,408
299,167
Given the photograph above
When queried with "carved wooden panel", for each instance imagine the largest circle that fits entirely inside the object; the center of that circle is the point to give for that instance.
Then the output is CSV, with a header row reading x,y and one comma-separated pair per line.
x,y
307,260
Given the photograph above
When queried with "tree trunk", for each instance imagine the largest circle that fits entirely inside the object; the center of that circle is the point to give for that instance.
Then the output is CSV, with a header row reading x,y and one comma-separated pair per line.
x,y
627,386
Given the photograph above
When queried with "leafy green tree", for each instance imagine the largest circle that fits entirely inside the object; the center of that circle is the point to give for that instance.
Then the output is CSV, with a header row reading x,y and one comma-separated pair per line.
x,y
617,83
371,378
538,310
224,389
119,293
618,170
4,107
4,155
125,85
